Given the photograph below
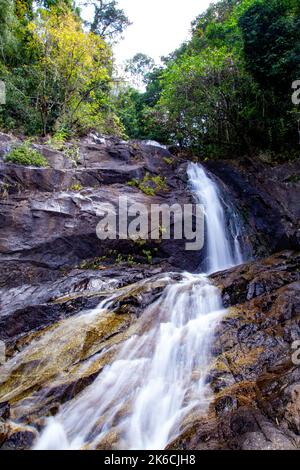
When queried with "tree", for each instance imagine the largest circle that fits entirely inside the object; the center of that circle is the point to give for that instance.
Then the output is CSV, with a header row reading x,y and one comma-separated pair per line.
x,y
227,91
140,68
109,21
203,100
7,23
60,78
129,106
73,66
271,42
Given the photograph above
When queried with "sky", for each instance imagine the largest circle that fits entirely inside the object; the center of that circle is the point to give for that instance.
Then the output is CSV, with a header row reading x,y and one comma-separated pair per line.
x,y
159,26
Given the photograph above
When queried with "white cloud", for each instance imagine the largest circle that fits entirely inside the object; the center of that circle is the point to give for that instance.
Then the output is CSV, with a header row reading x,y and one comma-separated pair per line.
x,y
159,26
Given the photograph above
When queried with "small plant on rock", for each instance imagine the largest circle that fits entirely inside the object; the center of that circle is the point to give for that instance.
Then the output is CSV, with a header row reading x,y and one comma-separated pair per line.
x,y
150,185
57,141
76,187
73,154
25,155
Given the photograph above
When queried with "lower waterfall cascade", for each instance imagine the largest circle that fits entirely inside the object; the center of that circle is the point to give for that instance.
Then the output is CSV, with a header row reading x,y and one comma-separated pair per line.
x,y
158,376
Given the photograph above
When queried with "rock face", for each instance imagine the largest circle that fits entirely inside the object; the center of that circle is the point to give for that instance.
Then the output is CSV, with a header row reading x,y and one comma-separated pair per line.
x,y
54,270
48,216
268,198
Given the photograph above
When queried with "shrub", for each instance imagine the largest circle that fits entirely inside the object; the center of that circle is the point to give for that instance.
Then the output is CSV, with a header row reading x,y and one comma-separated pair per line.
x,y
150,185
76,187
25,155
57,141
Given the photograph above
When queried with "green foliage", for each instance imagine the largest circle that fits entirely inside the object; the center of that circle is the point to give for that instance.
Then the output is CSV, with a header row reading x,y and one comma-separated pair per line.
x,y
145,255
128,103
57,75
73,154
108,21
168,160
137,111
293,179
76,187
226,92
8,23
271,41
271,49
93,264
140,68
148,255
58,139
150,185
25,155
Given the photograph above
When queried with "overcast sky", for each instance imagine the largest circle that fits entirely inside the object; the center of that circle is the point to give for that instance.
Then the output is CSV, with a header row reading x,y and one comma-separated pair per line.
x,y
159,26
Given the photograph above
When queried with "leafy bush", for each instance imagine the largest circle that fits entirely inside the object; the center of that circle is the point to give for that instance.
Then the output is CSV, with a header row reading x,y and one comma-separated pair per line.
x,y
25,155
150,185
57,141
76,187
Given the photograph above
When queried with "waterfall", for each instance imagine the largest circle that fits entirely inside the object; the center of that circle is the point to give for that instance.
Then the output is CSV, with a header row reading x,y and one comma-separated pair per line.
x,y
222,246
158,378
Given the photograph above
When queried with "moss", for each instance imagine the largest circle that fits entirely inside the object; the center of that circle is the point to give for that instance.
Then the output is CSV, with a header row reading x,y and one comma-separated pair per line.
x,y
244,359
168,160
68,343
60,355
94,264
244,392
235,361
109,325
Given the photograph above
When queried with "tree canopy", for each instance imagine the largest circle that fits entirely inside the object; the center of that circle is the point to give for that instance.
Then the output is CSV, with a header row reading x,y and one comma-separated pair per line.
x,y
58,74
224,93
227,91
108,21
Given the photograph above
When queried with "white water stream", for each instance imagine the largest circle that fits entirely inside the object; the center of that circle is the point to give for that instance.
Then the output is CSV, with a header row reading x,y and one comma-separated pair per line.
x,y
159,375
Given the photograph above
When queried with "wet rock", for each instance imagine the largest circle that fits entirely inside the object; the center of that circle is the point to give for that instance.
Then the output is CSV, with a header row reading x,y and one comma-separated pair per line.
x,y
19,440
252,280
6,143
4,411
225,405
268,198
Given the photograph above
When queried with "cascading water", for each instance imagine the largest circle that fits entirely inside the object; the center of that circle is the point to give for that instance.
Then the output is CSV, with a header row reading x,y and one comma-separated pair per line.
x,y
159,374
222,246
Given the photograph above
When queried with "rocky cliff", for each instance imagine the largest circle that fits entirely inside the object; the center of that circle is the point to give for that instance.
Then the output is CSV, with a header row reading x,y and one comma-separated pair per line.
x,y
54,266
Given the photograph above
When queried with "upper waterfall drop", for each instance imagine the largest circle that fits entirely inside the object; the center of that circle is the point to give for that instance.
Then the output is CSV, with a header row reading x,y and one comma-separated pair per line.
x,y
222,247
157,377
